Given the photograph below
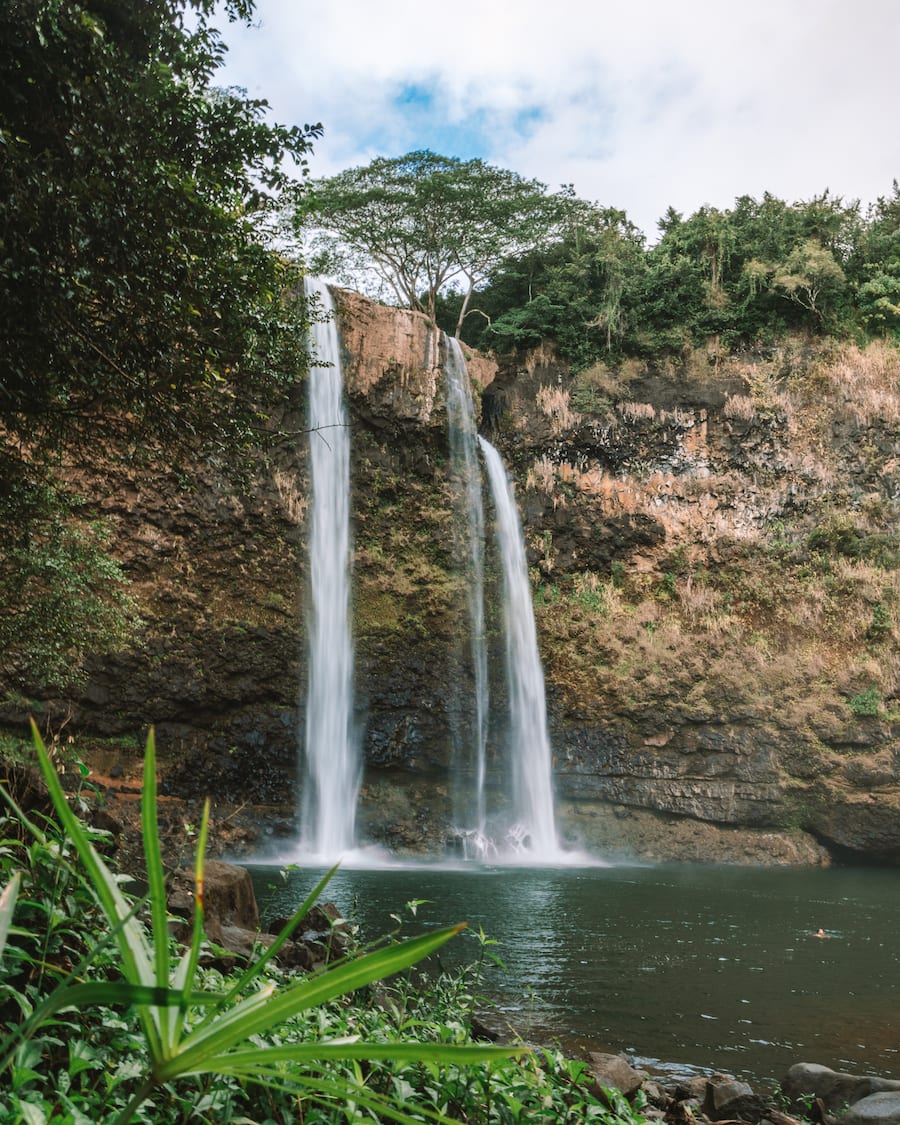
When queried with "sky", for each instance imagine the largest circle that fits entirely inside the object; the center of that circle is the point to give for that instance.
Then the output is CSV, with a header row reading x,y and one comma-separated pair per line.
x,y
639,104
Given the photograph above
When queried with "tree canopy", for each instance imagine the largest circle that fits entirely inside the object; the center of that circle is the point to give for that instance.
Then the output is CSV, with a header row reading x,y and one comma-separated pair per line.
x,y
749,273
140,295
423,222
134,275
452,237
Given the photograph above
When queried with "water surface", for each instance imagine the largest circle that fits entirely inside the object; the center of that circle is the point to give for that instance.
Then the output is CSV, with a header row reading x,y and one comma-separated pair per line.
x,y
711,968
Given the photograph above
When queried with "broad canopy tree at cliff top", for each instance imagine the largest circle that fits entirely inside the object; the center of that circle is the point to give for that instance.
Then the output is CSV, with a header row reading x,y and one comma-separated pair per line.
x,y
423,222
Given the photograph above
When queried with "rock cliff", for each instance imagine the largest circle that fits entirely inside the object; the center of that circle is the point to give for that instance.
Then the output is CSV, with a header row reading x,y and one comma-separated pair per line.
x,y
714,557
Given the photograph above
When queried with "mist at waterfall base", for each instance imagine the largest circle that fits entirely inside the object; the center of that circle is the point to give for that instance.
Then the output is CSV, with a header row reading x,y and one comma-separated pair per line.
x,y
688,969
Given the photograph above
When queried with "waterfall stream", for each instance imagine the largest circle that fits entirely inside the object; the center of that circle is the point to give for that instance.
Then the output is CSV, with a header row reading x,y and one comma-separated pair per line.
x,y
330,756
533,830
466,474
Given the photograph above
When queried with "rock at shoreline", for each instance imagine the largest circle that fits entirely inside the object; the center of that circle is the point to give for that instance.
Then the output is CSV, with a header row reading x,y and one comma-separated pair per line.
x,y
728,1099
876,1109
231,919
871,1101
615,1071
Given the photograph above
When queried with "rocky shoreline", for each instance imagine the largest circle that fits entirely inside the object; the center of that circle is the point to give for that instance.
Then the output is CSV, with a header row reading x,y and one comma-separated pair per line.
x,y
807,1093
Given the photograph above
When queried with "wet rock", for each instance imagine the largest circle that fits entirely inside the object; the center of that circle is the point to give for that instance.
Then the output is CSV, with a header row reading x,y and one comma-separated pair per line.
x,y
615,1071
231,920
728,1099
26,785
866,823
228,899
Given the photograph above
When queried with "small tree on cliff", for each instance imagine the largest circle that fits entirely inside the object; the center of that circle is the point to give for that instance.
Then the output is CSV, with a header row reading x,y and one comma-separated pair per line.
x,y
422,222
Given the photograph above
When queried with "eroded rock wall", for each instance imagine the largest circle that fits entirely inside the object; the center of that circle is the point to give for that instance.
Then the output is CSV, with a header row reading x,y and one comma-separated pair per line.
x,y
709,547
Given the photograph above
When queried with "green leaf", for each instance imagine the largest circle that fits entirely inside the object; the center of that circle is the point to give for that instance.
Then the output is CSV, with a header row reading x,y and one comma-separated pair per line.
x,y
248,1062
156,879
32,1113
113,994
250,1017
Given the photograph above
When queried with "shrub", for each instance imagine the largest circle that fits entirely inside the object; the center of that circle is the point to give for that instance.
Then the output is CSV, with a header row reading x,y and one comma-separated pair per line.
x,y
866,704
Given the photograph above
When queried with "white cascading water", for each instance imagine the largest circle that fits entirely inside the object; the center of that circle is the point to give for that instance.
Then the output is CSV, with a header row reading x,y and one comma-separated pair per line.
x,y
533,832
331,765
466,473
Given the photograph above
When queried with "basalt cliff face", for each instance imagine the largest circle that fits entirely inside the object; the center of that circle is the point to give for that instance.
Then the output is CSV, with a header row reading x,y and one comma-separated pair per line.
x,y
714,557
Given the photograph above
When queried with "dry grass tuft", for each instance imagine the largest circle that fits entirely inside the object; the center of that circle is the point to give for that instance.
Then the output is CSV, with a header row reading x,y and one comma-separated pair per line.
x,y
554,403
637,411
740,406
294,502
704,607
541,476
869,381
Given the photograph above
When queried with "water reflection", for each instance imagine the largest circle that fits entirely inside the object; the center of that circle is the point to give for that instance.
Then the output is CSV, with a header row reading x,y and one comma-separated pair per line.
x,y
712,968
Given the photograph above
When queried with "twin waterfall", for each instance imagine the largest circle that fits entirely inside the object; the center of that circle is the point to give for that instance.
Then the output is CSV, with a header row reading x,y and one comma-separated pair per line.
x,y
522,827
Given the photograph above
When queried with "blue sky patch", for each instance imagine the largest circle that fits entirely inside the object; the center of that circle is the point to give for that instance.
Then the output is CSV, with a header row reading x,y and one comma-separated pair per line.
x,y
422,121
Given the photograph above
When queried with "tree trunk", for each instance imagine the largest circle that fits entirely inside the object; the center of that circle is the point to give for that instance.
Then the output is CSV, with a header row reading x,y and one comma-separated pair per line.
x,y
464,307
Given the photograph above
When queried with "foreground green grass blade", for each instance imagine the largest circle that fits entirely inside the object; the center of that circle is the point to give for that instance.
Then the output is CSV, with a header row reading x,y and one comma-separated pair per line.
x,y
249,1017
250,1062
187,969
156,878
137,962
118,994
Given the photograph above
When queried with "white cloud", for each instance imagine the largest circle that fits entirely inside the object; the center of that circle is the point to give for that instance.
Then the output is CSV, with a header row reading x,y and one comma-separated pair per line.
x,y
640,105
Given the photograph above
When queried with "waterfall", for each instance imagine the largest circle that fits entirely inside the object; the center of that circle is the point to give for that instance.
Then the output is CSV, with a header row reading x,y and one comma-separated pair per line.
x,y
534,828
331,768
466,474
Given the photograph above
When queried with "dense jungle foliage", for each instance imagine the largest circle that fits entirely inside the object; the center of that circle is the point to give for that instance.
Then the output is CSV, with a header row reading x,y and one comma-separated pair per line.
x,y
747,275
143,307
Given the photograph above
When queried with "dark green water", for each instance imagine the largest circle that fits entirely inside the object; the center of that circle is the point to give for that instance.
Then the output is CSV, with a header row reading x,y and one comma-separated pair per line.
x,y
714,968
